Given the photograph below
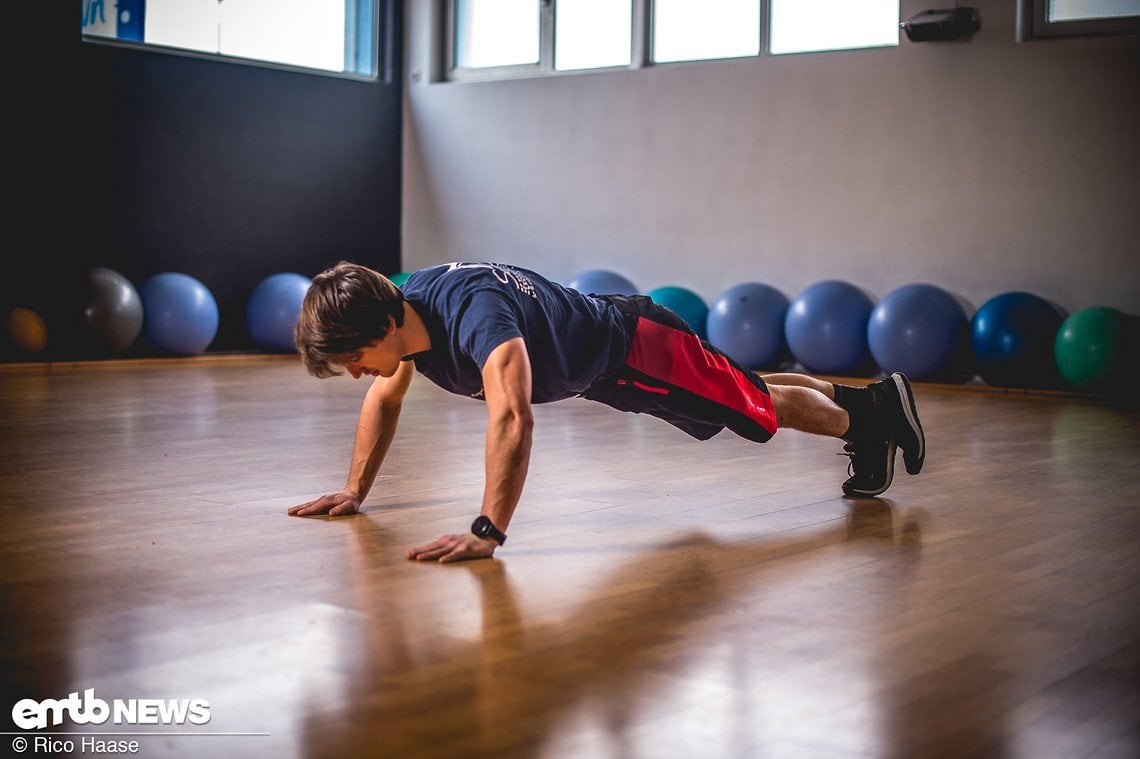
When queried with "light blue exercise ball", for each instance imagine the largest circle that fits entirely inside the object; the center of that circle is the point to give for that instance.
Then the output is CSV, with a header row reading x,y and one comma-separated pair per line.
x,y
272,310
916,329
180,313
826,327
602,282
746,321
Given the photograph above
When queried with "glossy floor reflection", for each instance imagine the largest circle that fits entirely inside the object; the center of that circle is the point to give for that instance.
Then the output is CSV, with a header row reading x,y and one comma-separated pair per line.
x,y
658,597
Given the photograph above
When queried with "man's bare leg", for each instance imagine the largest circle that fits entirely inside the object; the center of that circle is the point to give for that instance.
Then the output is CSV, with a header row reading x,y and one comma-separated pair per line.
x,y
807,407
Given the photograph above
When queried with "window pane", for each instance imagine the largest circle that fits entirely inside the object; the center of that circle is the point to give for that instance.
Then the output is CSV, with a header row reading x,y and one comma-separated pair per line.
x,y
590,34
188,24
691,30
496,32
801,26
1077,10
297,32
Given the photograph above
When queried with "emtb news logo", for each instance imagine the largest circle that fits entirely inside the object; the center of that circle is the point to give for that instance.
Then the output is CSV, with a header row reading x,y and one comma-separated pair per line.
x,y
29,714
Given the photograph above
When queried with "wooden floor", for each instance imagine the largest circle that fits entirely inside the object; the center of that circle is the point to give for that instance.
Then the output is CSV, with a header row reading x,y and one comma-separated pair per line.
x,y
658,597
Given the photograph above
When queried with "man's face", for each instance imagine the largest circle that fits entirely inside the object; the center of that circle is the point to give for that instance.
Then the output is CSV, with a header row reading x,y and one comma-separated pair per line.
x,y
380,359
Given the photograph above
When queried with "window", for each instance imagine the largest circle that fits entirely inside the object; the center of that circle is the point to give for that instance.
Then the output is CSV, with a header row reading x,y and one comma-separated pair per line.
x,y
1076,18
590,34
492,33
692,30
503,38
329,35
805,26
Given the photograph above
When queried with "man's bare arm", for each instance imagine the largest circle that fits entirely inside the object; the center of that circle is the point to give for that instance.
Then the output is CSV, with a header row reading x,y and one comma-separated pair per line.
x,y
375,430
510,424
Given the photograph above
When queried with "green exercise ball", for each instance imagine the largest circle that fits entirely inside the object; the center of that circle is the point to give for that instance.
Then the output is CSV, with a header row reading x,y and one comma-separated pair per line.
x,y
1089,345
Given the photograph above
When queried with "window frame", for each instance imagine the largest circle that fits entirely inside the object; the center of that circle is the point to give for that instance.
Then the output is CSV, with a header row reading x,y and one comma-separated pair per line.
x,y
1033,24
639,47
383,49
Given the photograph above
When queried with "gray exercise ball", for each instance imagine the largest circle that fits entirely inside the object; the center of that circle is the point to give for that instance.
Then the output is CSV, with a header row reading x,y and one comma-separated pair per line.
x,y
115,310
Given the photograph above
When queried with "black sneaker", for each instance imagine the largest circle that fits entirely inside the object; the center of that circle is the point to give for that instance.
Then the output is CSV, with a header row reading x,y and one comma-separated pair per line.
x,y
893,398
872,467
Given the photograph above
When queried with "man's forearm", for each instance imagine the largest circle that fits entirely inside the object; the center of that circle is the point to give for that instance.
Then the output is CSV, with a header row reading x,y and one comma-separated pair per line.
x,y
375,431
507,463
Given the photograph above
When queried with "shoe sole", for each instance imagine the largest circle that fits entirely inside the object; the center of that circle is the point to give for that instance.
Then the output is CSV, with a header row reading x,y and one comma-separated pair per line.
x,y
851,491
913,459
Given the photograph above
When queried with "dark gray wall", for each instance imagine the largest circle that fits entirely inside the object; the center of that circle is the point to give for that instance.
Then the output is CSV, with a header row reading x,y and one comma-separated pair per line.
x,y
147,162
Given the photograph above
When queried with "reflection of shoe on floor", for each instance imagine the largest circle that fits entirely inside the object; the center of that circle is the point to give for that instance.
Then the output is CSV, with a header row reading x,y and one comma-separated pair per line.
x,y
872,466
893,403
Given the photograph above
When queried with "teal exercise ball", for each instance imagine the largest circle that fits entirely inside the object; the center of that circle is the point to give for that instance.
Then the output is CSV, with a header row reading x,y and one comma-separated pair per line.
x,y
180,313
272,310
684,303
1090,346
399,278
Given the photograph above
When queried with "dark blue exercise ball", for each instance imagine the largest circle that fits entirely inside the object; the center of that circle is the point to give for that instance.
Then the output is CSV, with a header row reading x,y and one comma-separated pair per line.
x,y
684,303
273,308
746,321
916,329
180,313
602,282
1012,336
826,327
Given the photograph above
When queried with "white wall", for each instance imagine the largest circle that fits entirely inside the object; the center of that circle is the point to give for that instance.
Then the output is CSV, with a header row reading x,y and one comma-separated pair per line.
x,y
980,166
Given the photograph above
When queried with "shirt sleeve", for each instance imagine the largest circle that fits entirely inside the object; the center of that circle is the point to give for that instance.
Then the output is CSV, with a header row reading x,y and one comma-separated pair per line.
x,y
489,320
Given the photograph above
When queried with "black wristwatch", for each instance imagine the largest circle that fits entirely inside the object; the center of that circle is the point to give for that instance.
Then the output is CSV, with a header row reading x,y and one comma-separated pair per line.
x,y
483,527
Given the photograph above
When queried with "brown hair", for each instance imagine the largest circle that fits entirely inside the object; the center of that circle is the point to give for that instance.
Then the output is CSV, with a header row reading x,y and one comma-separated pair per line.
x,y
345,310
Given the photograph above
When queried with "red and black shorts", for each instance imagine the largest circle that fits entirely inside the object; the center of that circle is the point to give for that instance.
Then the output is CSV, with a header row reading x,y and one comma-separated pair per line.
x,y
674,375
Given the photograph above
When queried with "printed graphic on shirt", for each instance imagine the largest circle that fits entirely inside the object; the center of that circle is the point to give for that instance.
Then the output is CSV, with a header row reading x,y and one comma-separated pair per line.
x,y
505,274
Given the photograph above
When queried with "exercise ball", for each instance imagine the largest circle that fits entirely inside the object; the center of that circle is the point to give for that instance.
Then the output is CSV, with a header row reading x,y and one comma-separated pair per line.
x,y
826,327
1012,336
916,329
180,313
684,303
114,308
26,329
1090,345
399,278
602,282
746,321
272,310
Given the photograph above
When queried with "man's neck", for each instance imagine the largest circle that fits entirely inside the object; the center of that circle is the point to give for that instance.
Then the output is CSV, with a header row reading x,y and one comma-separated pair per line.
x,y
417,339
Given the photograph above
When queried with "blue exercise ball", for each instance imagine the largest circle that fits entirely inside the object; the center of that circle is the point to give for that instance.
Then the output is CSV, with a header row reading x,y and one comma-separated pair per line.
x,y
114,309
684,303
826,327
602,282
1012,336
916,329
746,321
272,311
181,315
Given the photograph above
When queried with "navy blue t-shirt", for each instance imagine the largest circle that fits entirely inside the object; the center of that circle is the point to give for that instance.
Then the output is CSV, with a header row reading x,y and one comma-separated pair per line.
x,y
472,308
